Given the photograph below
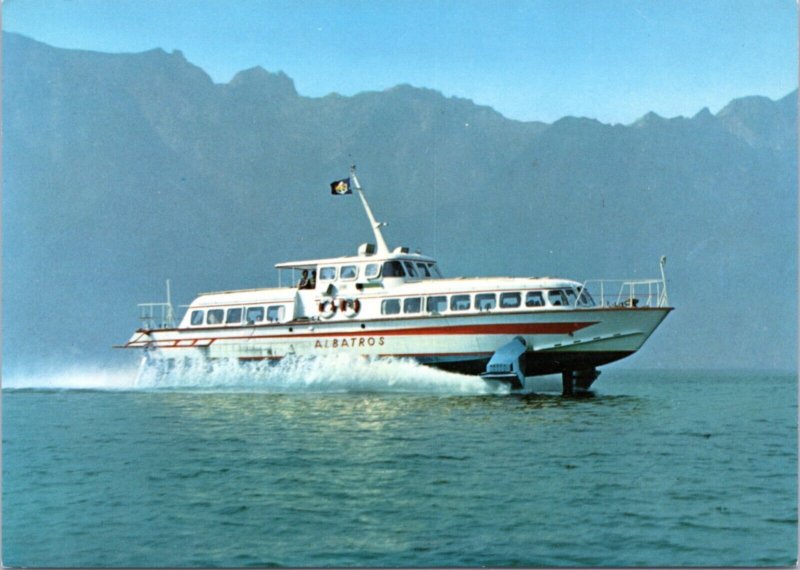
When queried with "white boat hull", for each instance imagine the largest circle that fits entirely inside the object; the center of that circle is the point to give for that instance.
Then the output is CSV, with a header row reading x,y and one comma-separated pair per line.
x,y
557,340
392,303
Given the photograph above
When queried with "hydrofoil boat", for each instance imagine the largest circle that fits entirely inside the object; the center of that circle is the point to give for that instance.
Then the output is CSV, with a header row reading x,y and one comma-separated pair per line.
x,y
384,302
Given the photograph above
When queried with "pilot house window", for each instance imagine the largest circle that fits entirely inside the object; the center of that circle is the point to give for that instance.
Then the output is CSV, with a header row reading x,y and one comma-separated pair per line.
x,y
234,316
197,318
214,317
410,269
393,269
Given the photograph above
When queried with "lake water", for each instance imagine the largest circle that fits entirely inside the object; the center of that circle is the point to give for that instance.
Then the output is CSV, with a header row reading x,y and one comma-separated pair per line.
x,y
392,464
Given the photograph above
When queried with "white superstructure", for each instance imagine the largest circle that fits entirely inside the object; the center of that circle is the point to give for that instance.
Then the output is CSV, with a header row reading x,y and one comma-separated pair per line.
x,y
384,302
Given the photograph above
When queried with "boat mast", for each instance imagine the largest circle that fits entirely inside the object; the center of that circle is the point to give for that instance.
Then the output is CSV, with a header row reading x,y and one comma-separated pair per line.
x,y
170,314
376,226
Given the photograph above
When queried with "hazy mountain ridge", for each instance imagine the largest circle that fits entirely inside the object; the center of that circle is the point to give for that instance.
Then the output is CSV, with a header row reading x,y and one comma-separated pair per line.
x,y
121,170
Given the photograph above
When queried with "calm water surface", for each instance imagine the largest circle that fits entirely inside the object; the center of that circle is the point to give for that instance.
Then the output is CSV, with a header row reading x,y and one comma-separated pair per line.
x,y
656,469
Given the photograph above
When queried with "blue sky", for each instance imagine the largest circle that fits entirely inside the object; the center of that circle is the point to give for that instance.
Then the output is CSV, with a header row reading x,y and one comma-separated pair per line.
x,y
613,60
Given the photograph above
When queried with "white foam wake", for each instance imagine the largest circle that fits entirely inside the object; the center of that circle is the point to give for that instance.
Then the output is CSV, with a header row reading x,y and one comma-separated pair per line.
x,y
335,373
330,374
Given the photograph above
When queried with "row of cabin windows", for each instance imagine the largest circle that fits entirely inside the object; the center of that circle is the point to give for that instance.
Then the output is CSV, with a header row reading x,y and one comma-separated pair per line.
x,y
418,269
486,301
252,315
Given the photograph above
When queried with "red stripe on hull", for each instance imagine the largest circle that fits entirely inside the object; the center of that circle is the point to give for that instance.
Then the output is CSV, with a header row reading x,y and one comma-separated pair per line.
x,y
509,328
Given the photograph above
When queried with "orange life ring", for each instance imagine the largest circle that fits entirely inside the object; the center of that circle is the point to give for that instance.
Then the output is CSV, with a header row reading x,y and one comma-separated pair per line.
x,y
327,309
350,307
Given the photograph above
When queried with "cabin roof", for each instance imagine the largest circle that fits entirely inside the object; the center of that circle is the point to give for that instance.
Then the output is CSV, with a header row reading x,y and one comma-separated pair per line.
x,y
375,258
422,287
481,284
245,296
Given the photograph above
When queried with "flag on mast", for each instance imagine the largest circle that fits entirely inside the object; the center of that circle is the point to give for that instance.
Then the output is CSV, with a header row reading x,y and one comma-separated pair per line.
x,y
341,187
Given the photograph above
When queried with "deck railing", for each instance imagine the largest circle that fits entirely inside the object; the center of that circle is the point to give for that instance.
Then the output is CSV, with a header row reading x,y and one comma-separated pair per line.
x,y
156,315
628,292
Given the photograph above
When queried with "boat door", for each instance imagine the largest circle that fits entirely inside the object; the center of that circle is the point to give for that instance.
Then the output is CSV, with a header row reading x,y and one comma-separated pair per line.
x,y
304,305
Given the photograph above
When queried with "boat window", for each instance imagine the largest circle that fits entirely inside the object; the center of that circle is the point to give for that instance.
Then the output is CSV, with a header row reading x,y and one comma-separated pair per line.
x,y
393,269
509,300
390,307
372,271
571,296
348,273
534,299
214,316
412,305
234,316
327,273
255,314
410,269
585,299
423,270
435,270
437,304
275,313
557,298
197,318
459,303
485,301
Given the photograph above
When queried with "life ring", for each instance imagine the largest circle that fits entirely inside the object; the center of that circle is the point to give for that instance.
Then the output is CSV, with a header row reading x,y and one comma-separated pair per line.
x,y
350,307
327,309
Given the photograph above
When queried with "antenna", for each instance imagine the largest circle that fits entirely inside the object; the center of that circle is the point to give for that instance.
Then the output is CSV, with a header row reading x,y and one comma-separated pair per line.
x,y
376,226
664,299
170,316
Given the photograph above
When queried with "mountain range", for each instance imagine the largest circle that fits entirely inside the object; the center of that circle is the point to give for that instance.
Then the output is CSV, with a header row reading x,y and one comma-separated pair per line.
x,y
122,170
